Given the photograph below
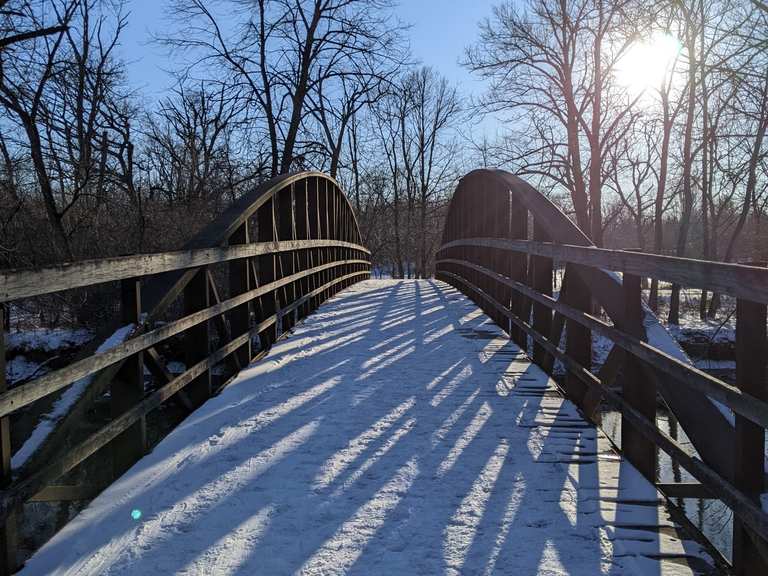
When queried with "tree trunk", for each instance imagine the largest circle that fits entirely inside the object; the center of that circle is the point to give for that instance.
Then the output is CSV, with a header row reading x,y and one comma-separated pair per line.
x,y
685,217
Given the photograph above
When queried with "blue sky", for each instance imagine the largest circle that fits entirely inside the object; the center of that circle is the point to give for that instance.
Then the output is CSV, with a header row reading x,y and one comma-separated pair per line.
x,y
441,30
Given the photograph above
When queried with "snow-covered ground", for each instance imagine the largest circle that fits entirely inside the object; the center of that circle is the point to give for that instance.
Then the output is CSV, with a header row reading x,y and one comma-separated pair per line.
x,y
395,432
62,405
46,339
24,347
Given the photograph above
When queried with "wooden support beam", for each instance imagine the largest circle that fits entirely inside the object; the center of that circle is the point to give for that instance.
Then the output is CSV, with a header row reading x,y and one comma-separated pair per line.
x,y
197,297
747,282
240,282
159,371
267,265
745,508
751,378
684,490
638,391
21,396
127,388
221,322
57,493
25,283
302,231
313,231
285,231
542,282
8,535
578,338
607,375
745,404
25,488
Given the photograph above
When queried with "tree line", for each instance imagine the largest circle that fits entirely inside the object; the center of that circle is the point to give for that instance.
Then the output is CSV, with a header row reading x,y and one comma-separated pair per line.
x,y
676,167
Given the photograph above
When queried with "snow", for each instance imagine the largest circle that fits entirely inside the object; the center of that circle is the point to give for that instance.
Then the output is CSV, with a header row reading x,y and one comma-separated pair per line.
x,y
21,368
63,404
176,367
709,364
46,339
396,431
691,326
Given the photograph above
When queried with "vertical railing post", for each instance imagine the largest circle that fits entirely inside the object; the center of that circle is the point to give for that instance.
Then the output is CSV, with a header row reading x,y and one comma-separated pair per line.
x,y
519,264
325,253
285,231
8,537
266,269
197,296
334,253
127,389
335,271
542,283
637,390
313,215
240,282
497,259
302,233
751,349
578,339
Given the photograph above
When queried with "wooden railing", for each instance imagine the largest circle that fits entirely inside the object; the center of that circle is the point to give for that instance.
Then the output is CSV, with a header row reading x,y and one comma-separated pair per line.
x,y
487,254
308,248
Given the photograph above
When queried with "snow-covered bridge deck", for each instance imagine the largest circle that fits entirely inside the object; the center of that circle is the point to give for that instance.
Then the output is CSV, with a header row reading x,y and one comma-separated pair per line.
x,y
395,432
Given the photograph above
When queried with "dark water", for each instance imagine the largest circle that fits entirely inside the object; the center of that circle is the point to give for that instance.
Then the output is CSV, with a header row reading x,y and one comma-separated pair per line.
x,y
713,518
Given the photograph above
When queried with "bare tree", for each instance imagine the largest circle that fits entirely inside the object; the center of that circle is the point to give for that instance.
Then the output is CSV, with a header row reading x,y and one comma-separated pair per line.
x,y
282,53
27,66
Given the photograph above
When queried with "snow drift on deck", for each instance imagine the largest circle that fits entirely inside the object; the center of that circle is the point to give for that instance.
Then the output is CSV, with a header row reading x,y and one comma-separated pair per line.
x,y
395,432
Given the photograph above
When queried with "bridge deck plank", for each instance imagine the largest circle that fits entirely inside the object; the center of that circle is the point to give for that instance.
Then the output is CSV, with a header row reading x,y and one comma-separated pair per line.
x,y
396,431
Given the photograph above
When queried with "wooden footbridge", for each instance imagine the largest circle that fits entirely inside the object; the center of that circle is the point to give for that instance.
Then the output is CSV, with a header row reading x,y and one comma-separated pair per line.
x,y
337,424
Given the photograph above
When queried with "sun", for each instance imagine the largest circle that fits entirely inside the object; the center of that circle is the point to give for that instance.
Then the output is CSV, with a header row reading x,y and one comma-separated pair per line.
x,y
647,63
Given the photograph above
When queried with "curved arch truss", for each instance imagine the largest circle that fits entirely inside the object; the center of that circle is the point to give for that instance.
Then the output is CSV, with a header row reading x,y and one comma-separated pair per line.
x,y
498,246
270,259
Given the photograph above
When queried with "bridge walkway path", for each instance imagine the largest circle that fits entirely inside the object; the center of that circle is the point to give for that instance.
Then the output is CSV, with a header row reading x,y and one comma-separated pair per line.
x,y
396,431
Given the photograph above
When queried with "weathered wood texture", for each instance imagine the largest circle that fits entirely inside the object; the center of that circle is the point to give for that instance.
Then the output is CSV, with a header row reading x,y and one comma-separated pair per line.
x,y
23,283
748,282
128,387
743,506
697,380
8,524
307,250
751,349
730,462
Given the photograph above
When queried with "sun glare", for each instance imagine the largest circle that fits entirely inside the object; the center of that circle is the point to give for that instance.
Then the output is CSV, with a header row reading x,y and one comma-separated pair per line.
x,y
648,62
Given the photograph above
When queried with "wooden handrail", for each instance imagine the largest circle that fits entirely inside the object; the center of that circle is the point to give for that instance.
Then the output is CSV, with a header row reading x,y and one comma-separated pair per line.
x,y
17,398
487,254
26,488
306,249
748,406
752,514
25,283
748,282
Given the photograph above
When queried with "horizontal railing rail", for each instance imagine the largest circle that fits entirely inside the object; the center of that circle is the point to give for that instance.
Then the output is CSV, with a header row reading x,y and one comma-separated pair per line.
x,y
17,398
738,280
25,283
744,507
27,488
491,252
306,248
748,406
